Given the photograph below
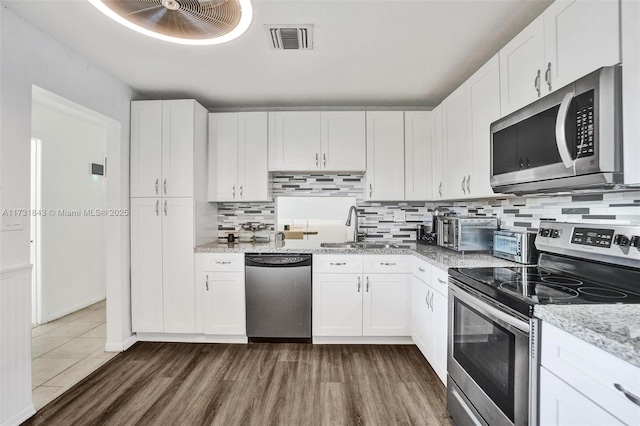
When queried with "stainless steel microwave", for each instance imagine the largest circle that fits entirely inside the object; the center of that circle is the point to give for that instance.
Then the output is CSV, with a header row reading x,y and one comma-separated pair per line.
x,y
570,139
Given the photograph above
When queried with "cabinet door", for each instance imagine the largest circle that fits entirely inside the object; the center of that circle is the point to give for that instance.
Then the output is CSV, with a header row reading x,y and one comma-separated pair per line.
x,y
483,108
294,141
418,148
178,281
385,156
420,313
343,141
386,305
437,159
562,405
223,143
224,303
580,37
253,174
438,324
146,148
337,304
146,266
456,146
178,134
521,68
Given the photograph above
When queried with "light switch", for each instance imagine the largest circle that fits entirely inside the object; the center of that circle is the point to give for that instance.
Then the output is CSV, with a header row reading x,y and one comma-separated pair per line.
x,y
399,216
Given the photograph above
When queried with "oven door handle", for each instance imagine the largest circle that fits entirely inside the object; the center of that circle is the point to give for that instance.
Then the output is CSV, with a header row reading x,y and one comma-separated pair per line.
x,y
489,310
561,138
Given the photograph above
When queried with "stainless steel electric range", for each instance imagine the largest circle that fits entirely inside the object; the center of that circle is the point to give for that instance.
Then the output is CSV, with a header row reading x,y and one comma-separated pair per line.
x,y
493,336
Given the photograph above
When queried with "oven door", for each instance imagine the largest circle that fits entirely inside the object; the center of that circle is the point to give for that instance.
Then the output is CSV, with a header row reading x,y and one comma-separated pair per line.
x,y
488,362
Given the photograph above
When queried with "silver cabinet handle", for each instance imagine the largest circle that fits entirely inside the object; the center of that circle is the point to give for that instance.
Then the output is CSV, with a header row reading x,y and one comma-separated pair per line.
x,y
206,283
631,397
536,83
359,284
222,262
233,192
338,264
324,160
370,190
469,184
367,290
157,181
426,299
165,207
420,269
440,189
241,191
387,263
431,302
317,160
547,76
441,281
464,178
157,207
164,186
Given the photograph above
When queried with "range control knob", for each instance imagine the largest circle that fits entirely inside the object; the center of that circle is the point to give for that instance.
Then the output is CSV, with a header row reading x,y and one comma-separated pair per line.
x,y
545,232
555,233
621,240
635,241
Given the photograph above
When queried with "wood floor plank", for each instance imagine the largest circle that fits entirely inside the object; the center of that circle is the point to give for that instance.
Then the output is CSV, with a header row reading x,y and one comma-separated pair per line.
x,y
256,384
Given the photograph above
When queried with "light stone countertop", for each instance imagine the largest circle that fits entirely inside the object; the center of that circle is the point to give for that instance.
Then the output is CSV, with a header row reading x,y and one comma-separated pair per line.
x,y
613,328
434,255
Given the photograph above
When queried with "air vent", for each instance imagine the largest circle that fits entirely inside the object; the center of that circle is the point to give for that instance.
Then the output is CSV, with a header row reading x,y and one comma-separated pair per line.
x,y
290,37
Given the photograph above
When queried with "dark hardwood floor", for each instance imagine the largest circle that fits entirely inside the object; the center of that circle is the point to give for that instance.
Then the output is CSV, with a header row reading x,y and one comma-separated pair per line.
x,y
256,384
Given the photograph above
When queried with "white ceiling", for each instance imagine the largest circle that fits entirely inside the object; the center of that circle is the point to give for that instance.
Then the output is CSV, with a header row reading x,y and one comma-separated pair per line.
x,y
366,53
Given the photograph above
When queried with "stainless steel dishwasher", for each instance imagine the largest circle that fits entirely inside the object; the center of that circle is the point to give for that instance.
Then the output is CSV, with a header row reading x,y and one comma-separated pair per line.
x,y
278,292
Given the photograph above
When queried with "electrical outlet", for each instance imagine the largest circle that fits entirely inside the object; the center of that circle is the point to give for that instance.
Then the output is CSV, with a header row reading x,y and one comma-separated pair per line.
x,y
399,216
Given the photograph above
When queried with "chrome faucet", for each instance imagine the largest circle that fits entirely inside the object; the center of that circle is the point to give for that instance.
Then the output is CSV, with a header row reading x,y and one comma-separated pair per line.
x,y
353,210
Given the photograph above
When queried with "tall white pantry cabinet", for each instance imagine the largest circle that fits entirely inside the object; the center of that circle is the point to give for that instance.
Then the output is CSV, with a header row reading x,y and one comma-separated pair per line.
x,y
168,210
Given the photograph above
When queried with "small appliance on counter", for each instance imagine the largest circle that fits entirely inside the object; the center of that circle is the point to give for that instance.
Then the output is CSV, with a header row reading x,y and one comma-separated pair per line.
x,y
517,246
426,236
466,233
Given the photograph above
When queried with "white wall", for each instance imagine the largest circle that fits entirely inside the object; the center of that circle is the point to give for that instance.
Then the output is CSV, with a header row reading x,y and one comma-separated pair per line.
x,y
71,261
30,57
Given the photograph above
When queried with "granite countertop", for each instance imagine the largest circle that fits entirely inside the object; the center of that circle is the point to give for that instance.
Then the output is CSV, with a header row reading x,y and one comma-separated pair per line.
x,y
612,328
434,255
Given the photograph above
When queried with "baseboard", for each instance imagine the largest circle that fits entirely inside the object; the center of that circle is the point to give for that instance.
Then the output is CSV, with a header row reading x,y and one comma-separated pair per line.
x,y
190,338
15,270
362,340
121,346
21,416
67,311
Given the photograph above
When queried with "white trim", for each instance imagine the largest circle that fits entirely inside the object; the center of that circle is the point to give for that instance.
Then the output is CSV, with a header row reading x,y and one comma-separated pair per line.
x,y
64,312
120,346
362,340
190,338
21,416
12,271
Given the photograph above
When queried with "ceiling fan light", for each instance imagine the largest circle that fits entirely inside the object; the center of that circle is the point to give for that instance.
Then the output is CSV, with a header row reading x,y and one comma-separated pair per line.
x,y
193,22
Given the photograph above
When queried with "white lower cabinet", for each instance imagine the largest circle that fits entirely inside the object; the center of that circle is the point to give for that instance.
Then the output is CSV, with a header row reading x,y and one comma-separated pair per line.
x,y
361,303
581,384
221,293
429,316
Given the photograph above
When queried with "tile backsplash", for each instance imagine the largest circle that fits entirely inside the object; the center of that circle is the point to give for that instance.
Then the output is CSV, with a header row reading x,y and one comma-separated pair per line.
x,y
376,218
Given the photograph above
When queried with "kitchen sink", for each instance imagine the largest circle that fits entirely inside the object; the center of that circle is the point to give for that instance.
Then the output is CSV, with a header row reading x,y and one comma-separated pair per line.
x,y
353,245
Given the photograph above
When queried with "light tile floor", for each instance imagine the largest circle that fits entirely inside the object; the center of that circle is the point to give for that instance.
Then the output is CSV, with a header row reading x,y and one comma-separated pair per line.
x,y
66,350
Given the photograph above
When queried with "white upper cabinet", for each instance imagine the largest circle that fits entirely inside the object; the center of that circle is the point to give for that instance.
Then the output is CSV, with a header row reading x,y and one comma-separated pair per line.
x,y
483,108
521,68
437,159
385,156
456,144
162,146
418,148
238,157
580,36
343,144
569,40
311,141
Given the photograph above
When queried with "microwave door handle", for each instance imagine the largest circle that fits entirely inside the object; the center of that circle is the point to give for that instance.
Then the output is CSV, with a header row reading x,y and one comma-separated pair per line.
x,y
561,139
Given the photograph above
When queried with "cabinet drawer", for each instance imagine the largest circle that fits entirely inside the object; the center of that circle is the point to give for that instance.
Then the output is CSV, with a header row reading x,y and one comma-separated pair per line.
x,y
392,264
337,264
439,281
421,270
592,371
222,262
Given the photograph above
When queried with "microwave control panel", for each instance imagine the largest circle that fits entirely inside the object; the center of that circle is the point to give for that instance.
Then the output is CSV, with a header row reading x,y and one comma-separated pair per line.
x,y
584,125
